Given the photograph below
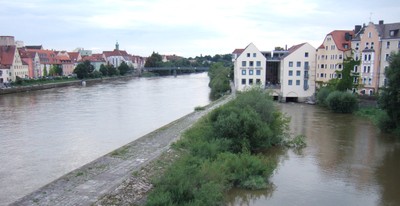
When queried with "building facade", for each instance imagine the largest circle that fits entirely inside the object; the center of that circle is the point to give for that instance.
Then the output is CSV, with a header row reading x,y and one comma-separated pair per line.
x,y
335,48
298,73
249,67
373,45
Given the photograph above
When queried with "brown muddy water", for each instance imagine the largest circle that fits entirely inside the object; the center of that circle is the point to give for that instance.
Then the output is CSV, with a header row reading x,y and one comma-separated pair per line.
x,y
347,161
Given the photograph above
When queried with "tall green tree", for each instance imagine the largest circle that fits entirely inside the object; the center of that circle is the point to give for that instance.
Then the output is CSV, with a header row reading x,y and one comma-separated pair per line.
x,y
83,70
123,68
44,71
103,70
390,96
347,78
112,70
155,60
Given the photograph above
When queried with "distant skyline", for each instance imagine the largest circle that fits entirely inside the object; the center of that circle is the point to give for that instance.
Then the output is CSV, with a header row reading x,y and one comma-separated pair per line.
x,y
185,28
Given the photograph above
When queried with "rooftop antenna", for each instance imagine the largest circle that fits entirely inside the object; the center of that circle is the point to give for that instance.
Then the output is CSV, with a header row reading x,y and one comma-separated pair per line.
x,y
370,16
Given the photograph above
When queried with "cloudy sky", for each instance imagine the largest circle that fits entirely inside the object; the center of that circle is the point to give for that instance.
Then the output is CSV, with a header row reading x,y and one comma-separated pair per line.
x,y
184,27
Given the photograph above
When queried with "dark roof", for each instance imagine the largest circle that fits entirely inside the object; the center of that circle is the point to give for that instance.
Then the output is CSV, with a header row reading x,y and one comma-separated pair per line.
x,y
34,47
238,51
385,29
293,49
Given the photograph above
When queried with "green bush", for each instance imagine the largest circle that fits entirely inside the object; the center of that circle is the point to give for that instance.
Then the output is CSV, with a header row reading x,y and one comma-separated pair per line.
x,y
322,94
342,102
220,152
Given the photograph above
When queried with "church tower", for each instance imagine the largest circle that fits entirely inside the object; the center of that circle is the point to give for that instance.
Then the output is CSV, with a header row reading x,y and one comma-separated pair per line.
x,y
117,46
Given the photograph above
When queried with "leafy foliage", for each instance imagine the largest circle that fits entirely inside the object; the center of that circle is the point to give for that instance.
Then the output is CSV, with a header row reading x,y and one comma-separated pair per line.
x,y
219,80
342,102
155,60
220,152
322,94
346,82
389,99
123,68
83,70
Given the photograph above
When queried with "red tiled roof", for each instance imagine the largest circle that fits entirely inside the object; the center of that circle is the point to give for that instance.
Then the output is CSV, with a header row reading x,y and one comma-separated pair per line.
x,y
7,56
115,53
46,56
73,55
237,51
339,37
295,47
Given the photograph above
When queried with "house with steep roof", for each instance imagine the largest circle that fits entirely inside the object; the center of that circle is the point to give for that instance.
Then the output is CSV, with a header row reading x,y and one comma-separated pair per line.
x,y
32,60
95,59
297,73
47,58
335,48
116,57
373,45
11,64
65,62
249,68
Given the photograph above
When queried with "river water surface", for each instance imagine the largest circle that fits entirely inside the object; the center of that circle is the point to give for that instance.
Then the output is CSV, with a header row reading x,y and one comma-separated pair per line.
x,y
347,161
46,134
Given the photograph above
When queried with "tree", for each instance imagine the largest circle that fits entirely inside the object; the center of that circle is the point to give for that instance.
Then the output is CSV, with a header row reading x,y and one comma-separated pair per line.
x,y
389,99
83,70
103,70
346,81
123,68
112,70
278,48
44,71
155,60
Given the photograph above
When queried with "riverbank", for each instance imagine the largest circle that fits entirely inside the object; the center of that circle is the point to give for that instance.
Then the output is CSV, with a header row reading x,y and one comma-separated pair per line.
x,y
19,89
88,184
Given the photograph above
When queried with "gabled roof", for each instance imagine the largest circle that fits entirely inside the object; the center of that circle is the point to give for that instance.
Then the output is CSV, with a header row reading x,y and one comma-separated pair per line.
x,y
94,58
238,51
385,29
46,56
7,56
339,37
73,56
293,49
115,53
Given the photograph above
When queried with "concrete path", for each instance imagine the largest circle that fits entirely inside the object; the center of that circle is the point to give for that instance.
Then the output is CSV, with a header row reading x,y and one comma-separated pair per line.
x,y
87,184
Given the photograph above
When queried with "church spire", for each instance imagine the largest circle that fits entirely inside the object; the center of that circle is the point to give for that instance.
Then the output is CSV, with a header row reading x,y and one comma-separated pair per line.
x,y
117,46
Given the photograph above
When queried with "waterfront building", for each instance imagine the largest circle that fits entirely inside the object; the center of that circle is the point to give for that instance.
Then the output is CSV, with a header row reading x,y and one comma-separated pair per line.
x,y
335,48
249,67
32,60
373,45
297,73
116,57
95,59
11,64
65,62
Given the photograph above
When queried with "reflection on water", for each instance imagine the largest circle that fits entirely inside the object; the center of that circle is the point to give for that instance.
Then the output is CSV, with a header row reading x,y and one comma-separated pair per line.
x,y
45,134
347,161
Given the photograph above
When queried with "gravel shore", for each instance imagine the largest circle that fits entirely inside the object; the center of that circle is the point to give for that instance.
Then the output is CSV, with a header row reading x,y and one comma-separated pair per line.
x,y
121,177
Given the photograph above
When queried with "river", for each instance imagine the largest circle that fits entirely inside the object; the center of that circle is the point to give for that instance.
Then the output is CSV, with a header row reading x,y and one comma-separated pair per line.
x,y
347,162
46,134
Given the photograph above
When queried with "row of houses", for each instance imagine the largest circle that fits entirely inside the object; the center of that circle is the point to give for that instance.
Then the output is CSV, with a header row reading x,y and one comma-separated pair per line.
x,y
294,74
35,61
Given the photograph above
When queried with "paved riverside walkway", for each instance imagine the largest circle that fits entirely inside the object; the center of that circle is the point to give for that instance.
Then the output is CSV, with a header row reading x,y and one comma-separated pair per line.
x,y
85,185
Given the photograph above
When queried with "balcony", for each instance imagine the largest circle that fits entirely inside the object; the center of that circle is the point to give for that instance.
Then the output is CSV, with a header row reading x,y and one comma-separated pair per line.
x,y
306,76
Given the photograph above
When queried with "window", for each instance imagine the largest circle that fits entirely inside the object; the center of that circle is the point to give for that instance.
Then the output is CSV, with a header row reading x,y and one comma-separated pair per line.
x,y
243,72
372,45
332,47
355,68
290,64
339,66
387,45
258,72
339,76
322,66
248,54
365,69
250,81
306,54
369,34
369,57
243,81
369,69
258,81
340,56
297,82
254,54
298,73
290,73
258,63
290,82
369,81
365,57
298,64
251,72
243,63
251,64
387,57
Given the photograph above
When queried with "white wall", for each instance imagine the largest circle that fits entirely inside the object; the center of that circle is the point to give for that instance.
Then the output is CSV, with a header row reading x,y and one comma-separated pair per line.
x,y
249,68
296,89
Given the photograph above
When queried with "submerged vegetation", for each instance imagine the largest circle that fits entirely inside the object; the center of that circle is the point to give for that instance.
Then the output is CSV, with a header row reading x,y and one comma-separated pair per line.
x,y
223,151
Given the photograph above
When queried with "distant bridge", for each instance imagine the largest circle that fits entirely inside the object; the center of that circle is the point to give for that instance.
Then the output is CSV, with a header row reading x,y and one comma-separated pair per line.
x,y
175,70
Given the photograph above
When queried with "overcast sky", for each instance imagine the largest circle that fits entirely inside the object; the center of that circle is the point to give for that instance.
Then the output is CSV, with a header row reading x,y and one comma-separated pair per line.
x,y
184,27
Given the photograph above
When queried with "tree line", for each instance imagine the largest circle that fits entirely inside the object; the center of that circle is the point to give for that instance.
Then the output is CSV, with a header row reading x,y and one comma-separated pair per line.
x,y
86,70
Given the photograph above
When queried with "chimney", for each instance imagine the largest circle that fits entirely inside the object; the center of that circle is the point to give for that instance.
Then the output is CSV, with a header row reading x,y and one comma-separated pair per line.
x,y
347,36
380,22
357,29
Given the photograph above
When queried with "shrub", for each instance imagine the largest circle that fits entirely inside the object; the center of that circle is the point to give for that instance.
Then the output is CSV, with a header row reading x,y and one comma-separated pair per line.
x,y
341,102
322,95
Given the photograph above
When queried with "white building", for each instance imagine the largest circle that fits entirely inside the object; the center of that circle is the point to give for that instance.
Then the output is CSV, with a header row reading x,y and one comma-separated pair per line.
x,y
298,73
249,67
